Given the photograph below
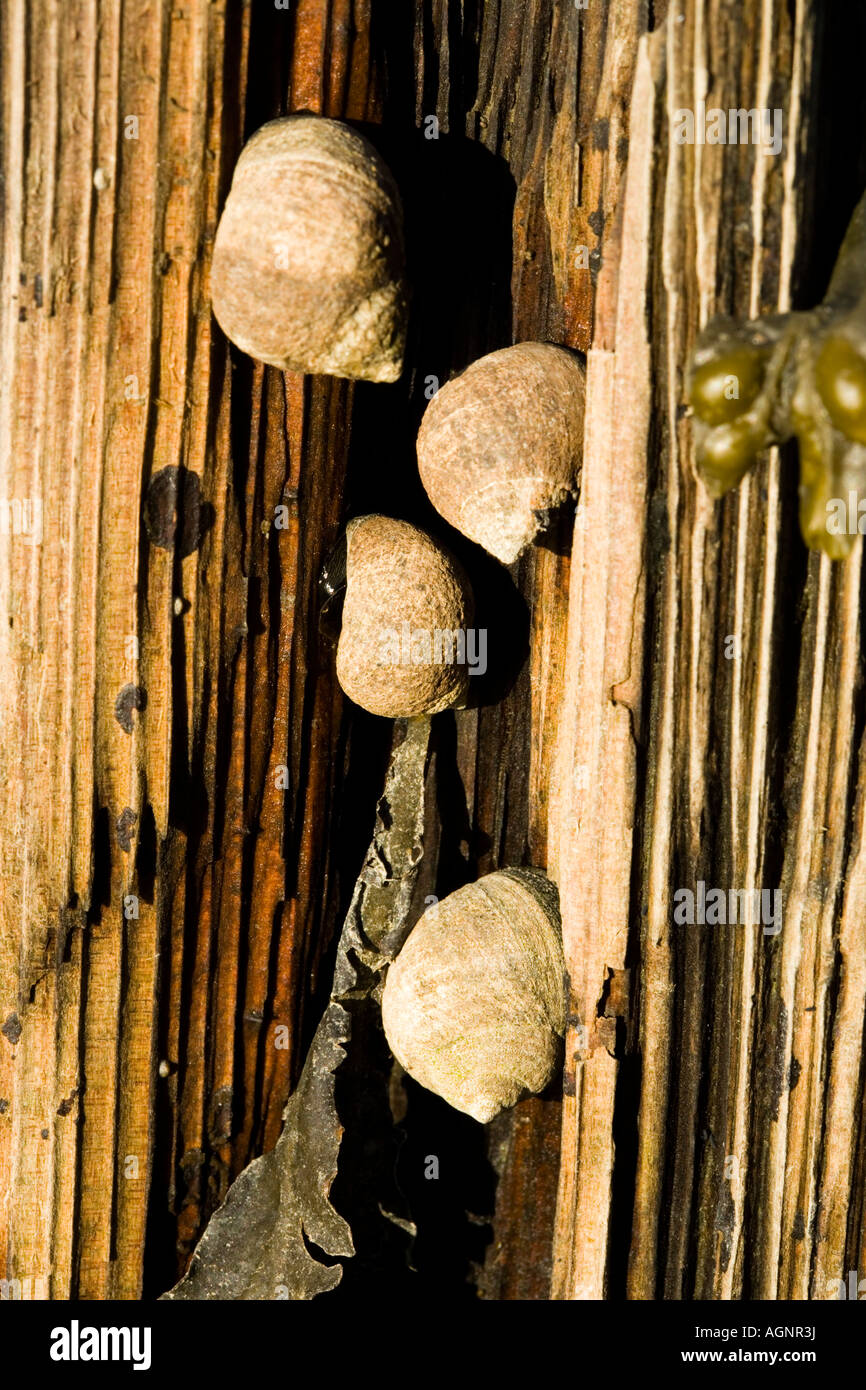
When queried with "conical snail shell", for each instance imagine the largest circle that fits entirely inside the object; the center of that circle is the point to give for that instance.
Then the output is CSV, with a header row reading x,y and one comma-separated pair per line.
x,y
474,1005
500,446
406,610
308,258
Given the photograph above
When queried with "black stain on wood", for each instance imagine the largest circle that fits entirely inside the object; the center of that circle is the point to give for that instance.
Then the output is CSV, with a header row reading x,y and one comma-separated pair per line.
x,y
125,822
601,134
11,1029
220,1120
777,1062
725,1218
131,697
175,516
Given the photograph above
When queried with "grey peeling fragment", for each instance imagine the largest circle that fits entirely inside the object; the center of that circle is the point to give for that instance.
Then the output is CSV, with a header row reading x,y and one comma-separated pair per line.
x,y
257,1245
131,697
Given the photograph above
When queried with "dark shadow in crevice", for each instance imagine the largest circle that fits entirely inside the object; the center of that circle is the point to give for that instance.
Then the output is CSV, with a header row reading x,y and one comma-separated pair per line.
x,y
459,844
458,201
100,882
452,1211
146,856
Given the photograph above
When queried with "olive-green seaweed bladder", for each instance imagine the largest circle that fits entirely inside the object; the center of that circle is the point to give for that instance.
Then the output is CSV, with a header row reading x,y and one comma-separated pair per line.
x,y
803,375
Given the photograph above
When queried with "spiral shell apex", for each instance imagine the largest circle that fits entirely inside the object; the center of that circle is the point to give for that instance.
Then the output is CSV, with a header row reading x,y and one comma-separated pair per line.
x,y
403,642
308,258
500,446
474,1005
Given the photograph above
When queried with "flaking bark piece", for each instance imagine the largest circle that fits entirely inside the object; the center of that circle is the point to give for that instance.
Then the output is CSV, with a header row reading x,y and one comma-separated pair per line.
x,y
257,1244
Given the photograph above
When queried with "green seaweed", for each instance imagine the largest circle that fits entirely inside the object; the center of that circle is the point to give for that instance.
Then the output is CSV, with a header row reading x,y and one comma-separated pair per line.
x,y
799,375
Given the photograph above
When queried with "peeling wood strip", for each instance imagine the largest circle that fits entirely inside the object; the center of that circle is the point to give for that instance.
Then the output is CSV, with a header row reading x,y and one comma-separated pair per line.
x,y
795,888
592,812
834,1206
748,765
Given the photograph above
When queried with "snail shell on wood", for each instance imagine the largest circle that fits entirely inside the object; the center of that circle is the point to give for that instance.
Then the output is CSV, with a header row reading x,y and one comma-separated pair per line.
x,y
407,605
474,1005
308,258
500,446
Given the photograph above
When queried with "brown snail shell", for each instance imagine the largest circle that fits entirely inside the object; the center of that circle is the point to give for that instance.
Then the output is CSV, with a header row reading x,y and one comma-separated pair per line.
x,y
308,257
500,446
474,1005
406,601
